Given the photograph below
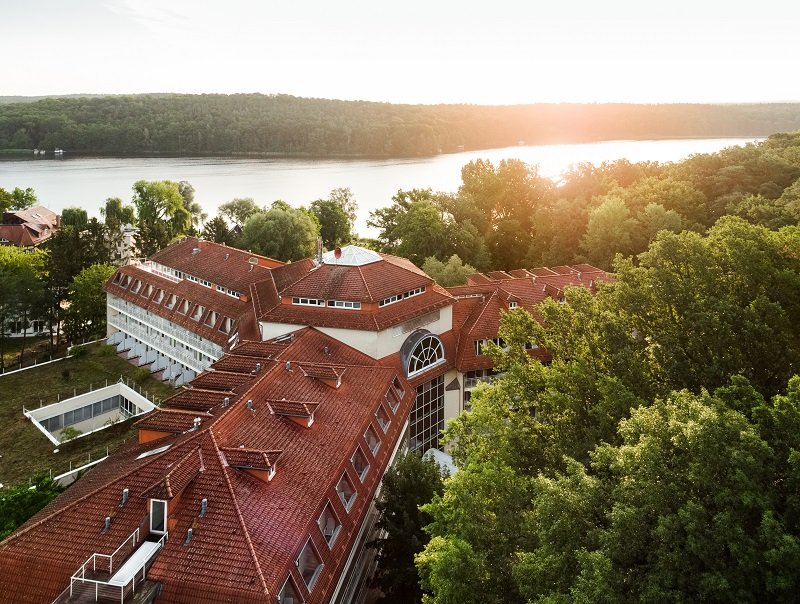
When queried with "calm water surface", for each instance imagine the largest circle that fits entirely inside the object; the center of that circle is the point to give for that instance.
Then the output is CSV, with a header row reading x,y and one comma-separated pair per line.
x,y
87,182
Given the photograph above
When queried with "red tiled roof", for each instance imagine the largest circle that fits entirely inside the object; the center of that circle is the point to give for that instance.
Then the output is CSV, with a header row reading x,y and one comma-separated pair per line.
x,y
29,227
292,408
245,545
171,420
219,264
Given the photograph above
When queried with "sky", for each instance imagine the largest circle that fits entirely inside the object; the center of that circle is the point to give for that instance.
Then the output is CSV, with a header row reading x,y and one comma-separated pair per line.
x,y
413,51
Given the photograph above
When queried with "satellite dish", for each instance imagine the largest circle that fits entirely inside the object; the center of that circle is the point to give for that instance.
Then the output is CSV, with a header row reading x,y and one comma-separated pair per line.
x,y
337,252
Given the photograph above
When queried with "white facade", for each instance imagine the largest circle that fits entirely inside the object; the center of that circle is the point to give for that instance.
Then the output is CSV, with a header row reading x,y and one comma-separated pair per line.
x,y
152,340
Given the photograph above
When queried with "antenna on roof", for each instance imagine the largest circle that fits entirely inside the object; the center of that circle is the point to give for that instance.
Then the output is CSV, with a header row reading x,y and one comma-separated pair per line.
x,y
319,251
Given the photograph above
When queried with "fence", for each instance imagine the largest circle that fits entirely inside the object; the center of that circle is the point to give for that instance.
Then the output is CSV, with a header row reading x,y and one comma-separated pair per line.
x,y
36,363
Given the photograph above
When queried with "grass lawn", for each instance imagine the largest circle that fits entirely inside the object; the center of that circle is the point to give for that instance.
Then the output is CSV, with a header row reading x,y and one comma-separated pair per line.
x,y
24,450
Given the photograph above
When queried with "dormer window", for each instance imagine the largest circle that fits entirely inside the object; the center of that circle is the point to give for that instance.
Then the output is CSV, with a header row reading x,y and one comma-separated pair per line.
x,y
346,492
392,399
288,593
158,516
308,301
360,464
198,311
344,304
225,326
512,305
211,318
309,565
171,301
184,307
147,291
329,525
159,296
137,285
116,278
383,418
373,442
397,297
125,281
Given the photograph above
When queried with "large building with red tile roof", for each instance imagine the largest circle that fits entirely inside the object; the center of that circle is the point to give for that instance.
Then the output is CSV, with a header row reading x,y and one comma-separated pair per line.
x,y
300,382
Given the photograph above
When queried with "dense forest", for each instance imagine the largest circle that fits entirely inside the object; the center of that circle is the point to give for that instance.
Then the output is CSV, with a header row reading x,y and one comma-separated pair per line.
x,y
214,124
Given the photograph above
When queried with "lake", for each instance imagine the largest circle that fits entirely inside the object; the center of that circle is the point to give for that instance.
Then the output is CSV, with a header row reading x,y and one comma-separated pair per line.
x,y
87,181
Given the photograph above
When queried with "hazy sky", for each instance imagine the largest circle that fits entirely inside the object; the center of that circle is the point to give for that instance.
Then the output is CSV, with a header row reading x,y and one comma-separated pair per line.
x,y
409,51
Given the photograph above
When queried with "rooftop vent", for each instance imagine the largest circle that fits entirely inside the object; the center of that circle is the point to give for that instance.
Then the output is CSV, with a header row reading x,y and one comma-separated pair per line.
x,y
250,404
203,507
195,251
124,496
226,401
253,260
326,350
107,525
196,423
288,366
188,536
258,367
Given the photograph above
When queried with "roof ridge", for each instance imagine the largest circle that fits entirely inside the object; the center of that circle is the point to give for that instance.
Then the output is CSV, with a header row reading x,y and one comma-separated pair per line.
x,y
83,498
366,285
484,308
245,531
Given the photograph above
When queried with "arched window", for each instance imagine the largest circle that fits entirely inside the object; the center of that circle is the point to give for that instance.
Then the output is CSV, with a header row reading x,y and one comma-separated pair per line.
x,y
426,350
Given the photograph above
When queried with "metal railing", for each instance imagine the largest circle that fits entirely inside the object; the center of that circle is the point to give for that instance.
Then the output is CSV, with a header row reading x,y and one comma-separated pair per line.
x,y
105,589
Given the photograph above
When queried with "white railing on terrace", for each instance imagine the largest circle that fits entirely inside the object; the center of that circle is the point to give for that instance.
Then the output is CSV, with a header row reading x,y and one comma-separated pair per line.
x,y
471,382
164,326
147,265
112,588
178,354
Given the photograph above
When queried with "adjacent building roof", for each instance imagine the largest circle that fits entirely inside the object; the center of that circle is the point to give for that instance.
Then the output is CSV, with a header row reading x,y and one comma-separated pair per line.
x,y
30,227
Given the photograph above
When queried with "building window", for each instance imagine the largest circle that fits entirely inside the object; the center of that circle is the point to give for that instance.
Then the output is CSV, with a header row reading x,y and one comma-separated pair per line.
x,y
159,296
360,464
427,416
137,285
184,307
147,291
220,289
288,593
344,304
383,418
397,297
512,305
346,492
198,312
373,442
481,344
308,301
225,326
171,301
211,318
427,353
158,516
329,525
309,565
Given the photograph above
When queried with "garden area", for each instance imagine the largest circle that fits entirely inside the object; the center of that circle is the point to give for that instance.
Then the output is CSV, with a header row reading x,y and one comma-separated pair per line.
x,y
24,450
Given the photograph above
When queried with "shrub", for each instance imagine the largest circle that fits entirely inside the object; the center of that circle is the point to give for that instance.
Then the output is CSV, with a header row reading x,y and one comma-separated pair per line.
x,y
141,374
69,433
77,351
107,350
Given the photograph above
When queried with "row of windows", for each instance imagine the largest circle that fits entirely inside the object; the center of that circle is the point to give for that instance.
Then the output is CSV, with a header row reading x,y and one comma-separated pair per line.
x,y
82,413
481,344
397,297
300,301
229,292
198,312
309,563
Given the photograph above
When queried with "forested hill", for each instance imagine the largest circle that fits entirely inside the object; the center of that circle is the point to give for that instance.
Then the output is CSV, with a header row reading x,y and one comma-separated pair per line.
x,y
178,124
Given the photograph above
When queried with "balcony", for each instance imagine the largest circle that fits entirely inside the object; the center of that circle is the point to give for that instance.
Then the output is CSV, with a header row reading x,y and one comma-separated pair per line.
x,y
117,577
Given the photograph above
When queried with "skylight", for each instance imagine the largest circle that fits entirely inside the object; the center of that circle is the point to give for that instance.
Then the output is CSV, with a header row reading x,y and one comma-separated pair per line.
x,y
154,451
352,255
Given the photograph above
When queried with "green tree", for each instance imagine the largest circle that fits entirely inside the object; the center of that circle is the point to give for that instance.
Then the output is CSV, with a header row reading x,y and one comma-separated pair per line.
x,y
344,198
238,210
76,217
281,233
86,315
161,214
411,482
20,502
334,222
217,230
447,274
611,230
18,199
22,291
